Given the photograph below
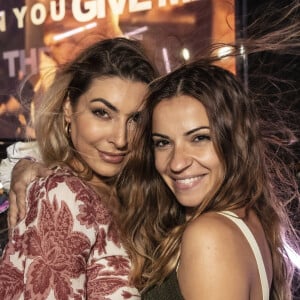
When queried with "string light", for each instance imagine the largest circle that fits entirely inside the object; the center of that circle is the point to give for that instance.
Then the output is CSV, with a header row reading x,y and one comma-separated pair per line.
x,y
77,30
223,52
185,54
137,31
166,59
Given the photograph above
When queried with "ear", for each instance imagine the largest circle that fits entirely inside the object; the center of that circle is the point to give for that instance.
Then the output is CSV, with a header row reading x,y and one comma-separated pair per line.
x,y
68,111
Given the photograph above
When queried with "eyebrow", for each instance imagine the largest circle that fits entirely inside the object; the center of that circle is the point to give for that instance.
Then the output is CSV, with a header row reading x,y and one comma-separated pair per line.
x,y
196,129
112,107
186,134
106,103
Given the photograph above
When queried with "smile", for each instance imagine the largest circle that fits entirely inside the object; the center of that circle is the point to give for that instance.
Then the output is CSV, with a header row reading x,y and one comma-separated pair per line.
x,y
187,183
112,158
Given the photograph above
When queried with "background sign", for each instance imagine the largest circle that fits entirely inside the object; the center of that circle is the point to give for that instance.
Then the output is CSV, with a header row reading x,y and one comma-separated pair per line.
x,y
36,36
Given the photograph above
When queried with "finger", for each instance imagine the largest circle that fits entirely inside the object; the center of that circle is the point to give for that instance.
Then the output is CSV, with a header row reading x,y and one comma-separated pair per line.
x,y
19,194
23,171
10,232
12,216
40,170
21,203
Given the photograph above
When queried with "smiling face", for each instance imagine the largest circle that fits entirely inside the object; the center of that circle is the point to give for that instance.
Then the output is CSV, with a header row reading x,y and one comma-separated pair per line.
x,y
184,153
103,121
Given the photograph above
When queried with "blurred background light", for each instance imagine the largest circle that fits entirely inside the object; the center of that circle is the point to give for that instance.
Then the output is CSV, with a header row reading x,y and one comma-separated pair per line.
x,y
185,54
77,30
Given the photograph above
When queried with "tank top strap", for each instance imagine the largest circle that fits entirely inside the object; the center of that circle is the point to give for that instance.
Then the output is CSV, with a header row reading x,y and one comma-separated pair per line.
x,y
255,249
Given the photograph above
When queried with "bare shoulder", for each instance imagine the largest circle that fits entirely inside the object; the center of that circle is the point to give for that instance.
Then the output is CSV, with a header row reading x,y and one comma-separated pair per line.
x,y
211,229
214,250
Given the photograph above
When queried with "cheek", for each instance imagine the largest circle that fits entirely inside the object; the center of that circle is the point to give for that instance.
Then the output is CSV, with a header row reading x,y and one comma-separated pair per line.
x,y
210,158
84,130
218,169
159,162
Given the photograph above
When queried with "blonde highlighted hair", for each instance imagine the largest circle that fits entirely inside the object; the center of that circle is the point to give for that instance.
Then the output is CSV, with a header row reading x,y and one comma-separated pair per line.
x,y
117,57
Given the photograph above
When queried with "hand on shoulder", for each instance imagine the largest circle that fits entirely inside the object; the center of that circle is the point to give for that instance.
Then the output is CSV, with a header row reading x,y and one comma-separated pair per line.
x,y
24,172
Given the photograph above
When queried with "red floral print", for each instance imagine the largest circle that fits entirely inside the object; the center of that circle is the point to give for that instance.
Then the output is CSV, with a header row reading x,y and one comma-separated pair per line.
x,y
11,282
66,248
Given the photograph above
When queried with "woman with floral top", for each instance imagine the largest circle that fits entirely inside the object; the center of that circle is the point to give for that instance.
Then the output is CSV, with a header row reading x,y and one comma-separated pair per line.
x,y
68,247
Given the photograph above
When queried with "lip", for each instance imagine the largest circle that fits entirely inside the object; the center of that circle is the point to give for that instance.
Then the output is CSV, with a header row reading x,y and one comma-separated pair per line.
x,y
112,158
187,183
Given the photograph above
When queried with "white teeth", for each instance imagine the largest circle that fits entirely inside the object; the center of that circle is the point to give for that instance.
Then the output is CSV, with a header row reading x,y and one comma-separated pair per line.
x,y
187,180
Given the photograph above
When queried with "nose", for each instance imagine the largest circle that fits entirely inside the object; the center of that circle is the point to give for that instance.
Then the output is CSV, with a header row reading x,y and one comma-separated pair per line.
x,y
180,160
119,136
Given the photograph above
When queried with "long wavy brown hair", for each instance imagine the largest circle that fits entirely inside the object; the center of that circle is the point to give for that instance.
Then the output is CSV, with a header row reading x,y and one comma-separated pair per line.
x,y
256,176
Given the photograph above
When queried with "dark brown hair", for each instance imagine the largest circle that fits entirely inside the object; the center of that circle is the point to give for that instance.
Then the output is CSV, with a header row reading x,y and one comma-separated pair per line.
x,y
255,176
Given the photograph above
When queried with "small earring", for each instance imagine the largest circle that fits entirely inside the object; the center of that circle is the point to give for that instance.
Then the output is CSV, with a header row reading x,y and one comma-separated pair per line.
x,y
68,129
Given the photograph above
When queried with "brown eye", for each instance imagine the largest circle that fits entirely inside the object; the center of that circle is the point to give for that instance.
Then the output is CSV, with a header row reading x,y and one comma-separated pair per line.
x,y
201,137
101,113
160,143
135,117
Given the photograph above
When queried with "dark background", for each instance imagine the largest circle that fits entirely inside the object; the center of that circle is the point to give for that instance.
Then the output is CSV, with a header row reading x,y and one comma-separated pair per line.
x,y
287,68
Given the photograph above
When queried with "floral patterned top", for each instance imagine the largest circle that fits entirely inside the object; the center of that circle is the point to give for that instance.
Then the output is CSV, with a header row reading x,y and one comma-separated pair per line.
x,y
67,247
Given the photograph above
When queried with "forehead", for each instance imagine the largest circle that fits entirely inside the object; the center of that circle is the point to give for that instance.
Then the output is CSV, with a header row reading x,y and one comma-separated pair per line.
x,y
124,94
179,113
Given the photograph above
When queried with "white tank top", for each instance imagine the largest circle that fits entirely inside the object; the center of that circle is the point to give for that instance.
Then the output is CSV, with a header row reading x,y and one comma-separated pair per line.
x,y
256,251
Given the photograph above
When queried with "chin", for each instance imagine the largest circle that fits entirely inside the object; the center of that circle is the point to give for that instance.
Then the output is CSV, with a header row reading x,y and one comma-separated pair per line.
x,y
109,173
189,203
